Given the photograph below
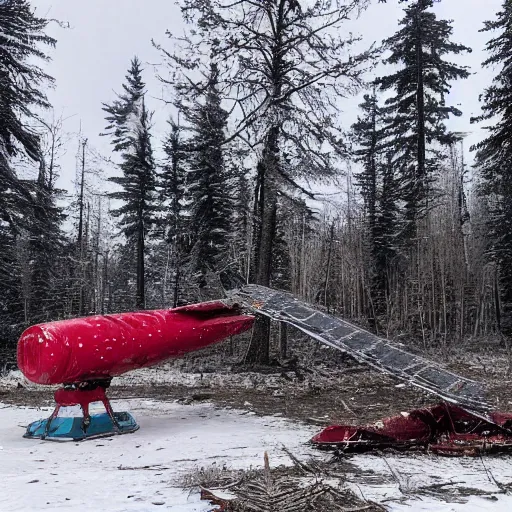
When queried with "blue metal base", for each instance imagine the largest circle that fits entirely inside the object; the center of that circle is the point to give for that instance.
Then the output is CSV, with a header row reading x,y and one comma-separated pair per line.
x,y
72,429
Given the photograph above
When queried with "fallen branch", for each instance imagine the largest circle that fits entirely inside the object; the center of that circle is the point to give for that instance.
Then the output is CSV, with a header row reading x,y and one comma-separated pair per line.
x,y
347,407
438,486
150,467
267,492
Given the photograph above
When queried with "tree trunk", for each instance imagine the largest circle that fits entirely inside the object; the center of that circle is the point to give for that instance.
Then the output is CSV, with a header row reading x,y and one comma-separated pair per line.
x,y
283,340
328,269
258,208
420,177
140,297
176,277
81,234
259,347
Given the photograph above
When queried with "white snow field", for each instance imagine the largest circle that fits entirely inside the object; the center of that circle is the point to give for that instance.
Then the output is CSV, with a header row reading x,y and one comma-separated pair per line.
x,y
141,471
173,440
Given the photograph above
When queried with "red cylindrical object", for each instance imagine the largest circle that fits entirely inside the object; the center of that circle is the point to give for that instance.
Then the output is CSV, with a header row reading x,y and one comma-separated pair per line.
x,y
71,351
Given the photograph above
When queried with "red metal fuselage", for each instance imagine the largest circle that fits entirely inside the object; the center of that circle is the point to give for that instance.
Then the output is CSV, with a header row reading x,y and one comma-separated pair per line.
x,y
99,347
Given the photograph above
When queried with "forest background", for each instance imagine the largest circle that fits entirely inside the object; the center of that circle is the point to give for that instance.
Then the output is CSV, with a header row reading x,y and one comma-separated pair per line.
x,y
355,153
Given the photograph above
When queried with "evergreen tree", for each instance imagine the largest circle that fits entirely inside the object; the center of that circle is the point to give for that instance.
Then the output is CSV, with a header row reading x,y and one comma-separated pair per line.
x,y
418,110
375,182
280,277
121,109
129,127
172,184
21,81
368,137
11,299
21,91
387,233
46,243
494,154
45,297
242,223
210,186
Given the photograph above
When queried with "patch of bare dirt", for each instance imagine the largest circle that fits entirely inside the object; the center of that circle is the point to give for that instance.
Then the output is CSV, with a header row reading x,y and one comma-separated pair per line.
x,y
354,396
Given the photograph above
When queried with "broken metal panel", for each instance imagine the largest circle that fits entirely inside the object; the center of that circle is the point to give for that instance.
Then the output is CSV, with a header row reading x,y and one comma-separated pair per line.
x,y
436,376
341,332
322,322
364,346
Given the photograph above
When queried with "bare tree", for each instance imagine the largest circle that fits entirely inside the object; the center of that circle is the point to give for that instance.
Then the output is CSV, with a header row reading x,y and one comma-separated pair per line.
x,y
283,69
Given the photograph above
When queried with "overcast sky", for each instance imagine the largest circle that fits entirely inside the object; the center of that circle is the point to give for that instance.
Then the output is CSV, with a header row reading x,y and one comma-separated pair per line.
x,y
92,57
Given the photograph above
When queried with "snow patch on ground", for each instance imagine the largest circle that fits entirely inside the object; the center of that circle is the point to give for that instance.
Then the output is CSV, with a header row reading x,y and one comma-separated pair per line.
x,y
400,482
141,471
173,440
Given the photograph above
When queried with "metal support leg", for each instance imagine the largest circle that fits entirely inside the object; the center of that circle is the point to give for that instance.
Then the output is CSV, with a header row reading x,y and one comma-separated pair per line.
x,y
86,417
49,422
110,412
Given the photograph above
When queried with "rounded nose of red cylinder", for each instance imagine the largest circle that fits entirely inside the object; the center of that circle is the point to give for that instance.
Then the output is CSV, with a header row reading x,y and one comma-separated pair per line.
x,y
42,357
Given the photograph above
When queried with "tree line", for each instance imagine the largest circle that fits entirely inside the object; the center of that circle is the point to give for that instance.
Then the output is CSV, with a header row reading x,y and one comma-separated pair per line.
x,y
419,245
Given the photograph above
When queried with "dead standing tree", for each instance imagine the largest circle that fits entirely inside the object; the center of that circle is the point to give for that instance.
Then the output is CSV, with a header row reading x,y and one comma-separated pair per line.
x,y
283,69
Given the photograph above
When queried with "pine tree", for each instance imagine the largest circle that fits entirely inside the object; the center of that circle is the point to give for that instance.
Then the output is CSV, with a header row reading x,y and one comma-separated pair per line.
x,y
494,154
46,242
129,127
210,186
418,110
45,297
374,182
121,109
21,81
368,137
387,233
172,181
172,185
21,91
242,223
280,277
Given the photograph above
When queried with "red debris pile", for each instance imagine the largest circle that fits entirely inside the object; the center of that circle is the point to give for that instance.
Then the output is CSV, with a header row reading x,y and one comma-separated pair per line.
x,y
444,429
222,504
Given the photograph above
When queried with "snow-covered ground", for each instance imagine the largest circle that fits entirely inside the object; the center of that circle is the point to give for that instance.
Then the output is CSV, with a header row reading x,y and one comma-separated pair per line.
x,y
142,471
407,483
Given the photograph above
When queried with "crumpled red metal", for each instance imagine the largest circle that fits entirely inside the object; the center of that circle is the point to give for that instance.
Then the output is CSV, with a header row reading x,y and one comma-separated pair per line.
x,y
444,429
